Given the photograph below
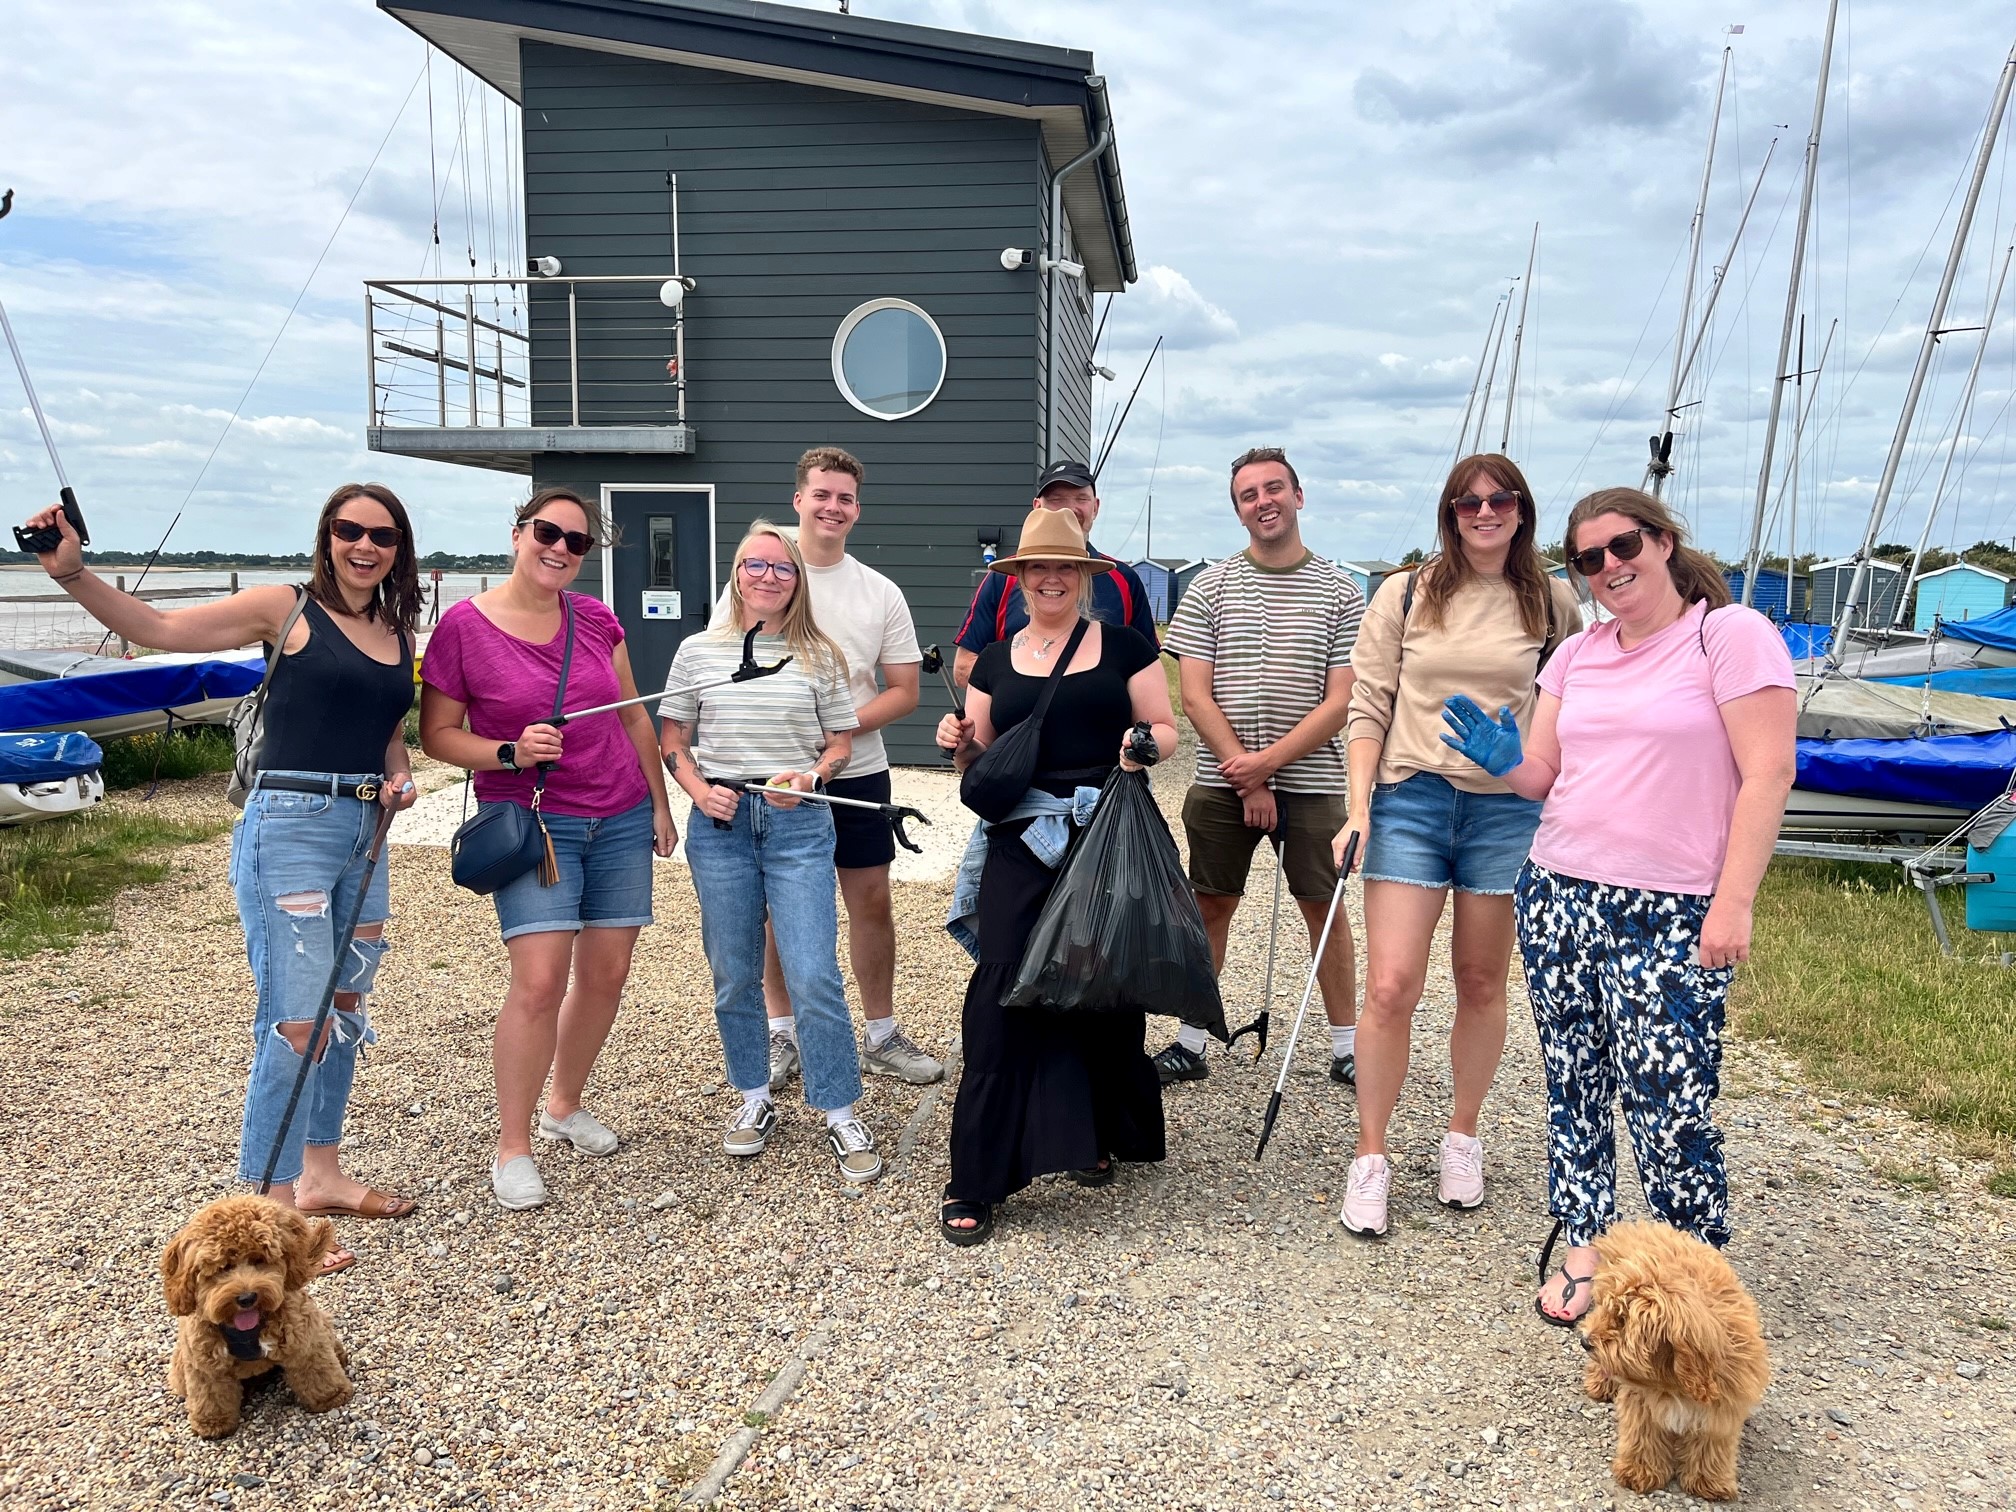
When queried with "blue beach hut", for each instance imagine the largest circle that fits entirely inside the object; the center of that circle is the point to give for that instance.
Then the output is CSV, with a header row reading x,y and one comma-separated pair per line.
x,y
1771,595
1369,575
1961,592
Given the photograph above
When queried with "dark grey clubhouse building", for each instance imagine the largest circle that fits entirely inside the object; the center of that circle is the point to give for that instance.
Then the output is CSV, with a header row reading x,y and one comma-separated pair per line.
x,y
753,228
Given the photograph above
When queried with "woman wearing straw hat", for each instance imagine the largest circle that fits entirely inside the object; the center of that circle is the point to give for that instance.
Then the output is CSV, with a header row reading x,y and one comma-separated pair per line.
x,y
1045,1092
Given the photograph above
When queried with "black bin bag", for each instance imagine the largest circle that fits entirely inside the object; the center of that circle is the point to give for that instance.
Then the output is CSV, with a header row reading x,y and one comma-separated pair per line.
x,y
1120,931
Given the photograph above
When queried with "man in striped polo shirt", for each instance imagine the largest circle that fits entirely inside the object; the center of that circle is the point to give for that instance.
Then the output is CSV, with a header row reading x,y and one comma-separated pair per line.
x,y
1265,642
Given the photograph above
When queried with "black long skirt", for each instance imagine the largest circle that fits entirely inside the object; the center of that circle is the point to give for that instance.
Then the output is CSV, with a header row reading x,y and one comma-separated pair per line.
x,y
1041,1091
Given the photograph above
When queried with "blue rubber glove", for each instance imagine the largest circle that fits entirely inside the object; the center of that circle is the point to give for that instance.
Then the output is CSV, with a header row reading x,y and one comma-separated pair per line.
x,y
1492,743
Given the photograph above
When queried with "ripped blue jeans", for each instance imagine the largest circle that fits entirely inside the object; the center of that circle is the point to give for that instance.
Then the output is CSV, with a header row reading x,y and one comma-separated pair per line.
x,y
296,860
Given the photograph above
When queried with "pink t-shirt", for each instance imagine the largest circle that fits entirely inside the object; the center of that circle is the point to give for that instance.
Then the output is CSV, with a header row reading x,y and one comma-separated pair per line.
x,y
1648,784
508,684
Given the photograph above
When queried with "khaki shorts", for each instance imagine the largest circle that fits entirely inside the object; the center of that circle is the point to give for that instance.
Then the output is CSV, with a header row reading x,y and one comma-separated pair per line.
x,y
1221,846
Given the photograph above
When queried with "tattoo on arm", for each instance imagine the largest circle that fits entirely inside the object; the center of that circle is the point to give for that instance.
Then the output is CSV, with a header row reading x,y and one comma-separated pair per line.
x,y
672,763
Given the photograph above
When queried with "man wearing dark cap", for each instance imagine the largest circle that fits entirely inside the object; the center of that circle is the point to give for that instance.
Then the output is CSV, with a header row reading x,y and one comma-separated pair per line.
x,y
1117,596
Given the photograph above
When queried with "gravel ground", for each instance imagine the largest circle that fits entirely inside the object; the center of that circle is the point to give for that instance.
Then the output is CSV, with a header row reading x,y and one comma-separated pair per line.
x,y
1203,1334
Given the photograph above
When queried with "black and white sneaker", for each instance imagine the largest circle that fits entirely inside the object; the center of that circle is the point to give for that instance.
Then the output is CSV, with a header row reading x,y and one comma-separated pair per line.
x,y
1178,1064
751,1130
1344,1069
854,1149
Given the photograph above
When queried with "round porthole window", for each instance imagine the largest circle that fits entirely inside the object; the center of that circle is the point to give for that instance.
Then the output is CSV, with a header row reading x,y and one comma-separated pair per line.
x,y
888,359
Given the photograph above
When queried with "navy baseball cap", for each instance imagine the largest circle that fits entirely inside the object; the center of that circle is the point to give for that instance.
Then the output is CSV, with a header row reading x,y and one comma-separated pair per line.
x,y
1077,474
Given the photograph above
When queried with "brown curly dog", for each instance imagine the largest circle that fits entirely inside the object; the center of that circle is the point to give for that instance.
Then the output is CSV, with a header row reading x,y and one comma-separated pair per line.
x,y
1674,1339
234,1277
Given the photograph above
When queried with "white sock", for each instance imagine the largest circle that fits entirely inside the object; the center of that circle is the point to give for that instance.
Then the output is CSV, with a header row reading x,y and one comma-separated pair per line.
x,y
1193,1039
760,1095
1343,1040
788,1027
837,1116
881,1031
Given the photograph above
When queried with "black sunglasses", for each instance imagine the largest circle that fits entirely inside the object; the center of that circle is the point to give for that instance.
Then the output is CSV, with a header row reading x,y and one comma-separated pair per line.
x,y
1623,547
1470,504
546,533
350,531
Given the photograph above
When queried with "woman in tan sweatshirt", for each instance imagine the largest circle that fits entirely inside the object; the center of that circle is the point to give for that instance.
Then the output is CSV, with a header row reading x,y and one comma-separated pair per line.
x,y
1479,617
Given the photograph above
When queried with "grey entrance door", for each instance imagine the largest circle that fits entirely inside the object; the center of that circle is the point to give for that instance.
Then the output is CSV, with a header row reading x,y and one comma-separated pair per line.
x,y
661,572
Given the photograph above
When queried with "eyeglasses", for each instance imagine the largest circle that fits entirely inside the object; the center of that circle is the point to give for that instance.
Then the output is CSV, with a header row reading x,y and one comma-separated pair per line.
x,y
546,533
755,567
1623,547
352,532
1470,504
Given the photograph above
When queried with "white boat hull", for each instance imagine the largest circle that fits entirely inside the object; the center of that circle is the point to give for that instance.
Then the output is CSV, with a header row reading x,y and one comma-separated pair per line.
x,y
27,802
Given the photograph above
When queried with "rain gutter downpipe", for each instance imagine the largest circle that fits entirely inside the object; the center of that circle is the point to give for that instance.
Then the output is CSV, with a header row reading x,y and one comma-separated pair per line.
x,y
1052,273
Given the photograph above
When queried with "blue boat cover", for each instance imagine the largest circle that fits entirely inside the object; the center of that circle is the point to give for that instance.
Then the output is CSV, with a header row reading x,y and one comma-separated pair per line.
x,y
139,690
1953,771
48,758
1998,630
1807,640
1983,682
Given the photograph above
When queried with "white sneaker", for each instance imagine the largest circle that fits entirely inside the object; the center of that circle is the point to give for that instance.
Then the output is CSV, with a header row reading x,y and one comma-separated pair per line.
x,y
1365,1196
1462,1182
750,1131
900,1057
581,1129
783,1059
854,1148
517,1184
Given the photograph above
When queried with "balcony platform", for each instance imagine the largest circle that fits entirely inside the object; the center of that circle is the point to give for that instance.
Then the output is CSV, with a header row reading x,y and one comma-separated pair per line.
x,y
512,448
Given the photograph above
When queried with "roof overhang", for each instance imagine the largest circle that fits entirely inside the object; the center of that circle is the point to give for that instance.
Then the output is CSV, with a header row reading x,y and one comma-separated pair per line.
x,y
1052,86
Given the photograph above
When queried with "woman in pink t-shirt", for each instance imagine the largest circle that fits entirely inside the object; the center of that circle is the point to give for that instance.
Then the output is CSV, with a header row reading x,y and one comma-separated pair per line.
x,y
491,673
1663,746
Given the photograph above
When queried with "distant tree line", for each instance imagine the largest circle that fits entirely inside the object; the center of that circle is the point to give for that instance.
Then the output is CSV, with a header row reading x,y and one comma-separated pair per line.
x,y
225,561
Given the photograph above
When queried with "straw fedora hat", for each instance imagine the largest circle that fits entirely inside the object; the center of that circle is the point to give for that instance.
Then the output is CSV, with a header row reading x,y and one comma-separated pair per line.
x,y
1051,535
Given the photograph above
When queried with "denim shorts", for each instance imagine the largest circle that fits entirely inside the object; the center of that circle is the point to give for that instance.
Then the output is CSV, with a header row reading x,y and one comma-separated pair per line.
x,y
605,877
1429,833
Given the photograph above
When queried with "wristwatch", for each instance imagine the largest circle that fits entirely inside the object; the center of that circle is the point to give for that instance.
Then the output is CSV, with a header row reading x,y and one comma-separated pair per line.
x,y
508,754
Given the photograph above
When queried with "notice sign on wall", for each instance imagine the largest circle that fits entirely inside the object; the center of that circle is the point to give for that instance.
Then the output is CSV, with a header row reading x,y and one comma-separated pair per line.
x,y
659,604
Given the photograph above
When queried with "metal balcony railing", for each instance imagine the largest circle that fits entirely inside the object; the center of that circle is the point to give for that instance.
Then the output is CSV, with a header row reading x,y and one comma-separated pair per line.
x,y
522,353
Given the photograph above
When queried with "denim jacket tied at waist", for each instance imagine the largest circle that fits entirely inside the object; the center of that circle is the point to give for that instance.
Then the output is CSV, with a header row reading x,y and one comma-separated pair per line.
x,y
1047,838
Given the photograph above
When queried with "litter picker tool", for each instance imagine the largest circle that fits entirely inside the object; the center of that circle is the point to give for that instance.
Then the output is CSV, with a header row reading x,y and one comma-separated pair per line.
x,y
749,671
897,814
1258,1028
1288,1055
934,662
341,957
47,539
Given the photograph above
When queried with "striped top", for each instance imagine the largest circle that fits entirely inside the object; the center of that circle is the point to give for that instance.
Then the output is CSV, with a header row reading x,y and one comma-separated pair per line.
x,y
756,728
1272,636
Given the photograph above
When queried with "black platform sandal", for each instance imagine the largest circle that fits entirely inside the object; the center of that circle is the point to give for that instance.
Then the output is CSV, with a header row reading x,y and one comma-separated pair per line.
x,y
951,1209
1096,1176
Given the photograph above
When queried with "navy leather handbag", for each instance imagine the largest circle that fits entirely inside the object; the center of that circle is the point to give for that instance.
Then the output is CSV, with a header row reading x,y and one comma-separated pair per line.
x,y
505,841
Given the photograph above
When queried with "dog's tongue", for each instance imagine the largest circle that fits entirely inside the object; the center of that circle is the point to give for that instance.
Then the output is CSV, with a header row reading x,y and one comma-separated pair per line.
x,y
247,1320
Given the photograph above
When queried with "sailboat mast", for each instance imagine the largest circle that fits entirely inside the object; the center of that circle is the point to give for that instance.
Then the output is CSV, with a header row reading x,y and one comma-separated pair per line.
x,y
1476,379
1933,332
1660,467
1518,338
1491,378
1755,554
1959,430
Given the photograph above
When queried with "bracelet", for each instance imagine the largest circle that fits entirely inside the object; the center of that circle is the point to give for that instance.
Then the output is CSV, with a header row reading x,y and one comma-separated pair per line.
x,y
70,577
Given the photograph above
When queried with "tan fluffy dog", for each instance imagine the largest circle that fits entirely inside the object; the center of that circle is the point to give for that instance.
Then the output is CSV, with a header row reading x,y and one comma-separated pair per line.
x,y
1674,1339
234,1277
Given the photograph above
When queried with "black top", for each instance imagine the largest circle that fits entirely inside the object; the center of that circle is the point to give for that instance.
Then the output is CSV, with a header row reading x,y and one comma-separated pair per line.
x,y
1090,713
330,707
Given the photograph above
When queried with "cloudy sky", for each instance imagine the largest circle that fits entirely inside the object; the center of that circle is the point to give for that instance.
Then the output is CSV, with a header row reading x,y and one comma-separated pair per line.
x,y
1327,204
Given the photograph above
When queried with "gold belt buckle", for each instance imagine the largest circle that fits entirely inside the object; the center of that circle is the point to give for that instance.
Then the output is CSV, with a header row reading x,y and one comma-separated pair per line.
x,y
367,791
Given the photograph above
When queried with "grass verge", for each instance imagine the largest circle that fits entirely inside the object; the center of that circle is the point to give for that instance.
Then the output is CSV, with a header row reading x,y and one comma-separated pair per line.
x,y
57,878
191,751
1846,975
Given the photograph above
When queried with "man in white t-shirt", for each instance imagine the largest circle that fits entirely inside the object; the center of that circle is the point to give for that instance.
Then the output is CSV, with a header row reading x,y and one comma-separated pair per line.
x,y
866,614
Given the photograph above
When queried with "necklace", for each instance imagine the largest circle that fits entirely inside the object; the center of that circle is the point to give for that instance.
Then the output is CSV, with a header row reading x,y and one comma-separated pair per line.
x,y
1043,650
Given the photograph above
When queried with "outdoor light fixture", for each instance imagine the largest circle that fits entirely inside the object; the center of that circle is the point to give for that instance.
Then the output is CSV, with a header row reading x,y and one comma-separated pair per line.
x,y
1015,258
990,543
545,267
672,292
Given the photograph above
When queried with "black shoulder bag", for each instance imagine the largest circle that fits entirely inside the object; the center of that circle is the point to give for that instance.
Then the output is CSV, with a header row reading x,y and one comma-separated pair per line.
x,y
504,841
994,784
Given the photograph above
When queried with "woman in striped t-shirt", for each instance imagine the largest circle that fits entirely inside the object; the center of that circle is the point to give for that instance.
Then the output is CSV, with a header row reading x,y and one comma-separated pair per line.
x,y
753,853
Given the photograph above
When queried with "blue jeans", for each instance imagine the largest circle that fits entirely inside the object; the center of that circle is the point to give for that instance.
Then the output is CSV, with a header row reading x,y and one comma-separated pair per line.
x,y
296,860
778,861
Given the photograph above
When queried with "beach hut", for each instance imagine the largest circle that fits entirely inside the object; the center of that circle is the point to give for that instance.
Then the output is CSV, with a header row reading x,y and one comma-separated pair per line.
x,y
1185,576
1771,596
1961,592
1880,590
1158,576
1368,575
754,228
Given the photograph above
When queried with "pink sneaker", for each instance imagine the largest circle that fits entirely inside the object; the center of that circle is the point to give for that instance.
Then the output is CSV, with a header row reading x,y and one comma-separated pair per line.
x,y
1365,1196
1462,1182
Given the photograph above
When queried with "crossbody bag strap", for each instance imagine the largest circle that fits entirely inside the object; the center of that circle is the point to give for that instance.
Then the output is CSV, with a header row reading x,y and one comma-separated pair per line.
x,y
560,692
1057,672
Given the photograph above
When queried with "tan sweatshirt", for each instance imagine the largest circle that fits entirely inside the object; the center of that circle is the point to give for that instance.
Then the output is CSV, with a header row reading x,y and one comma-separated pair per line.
x,y
1404,675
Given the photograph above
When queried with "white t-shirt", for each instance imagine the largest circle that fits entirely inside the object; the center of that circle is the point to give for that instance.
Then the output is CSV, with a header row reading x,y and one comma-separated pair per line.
x,y
866,614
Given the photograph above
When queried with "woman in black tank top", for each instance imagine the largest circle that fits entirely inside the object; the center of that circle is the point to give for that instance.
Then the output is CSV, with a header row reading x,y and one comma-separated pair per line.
x,y
334,754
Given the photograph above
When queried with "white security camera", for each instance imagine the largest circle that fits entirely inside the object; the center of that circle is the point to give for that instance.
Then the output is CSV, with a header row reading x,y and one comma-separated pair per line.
x,y
672,293
1099,370
1014,258
546,267
1063,265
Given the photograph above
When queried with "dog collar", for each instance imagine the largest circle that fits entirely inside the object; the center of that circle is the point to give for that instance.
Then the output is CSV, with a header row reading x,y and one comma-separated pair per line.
x,y
243,1341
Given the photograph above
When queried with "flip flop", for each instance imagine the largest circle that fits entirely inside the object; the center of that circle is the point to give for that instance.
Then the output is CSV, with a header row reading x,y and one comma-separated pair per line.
x,y
337,1260
374,1204
1575,1284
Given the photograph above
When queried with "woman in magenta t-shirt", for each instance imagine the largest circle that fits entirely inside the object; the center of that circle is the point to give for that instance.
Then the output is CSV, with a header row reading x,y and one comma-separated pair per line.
x,y
490,674
1663,746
